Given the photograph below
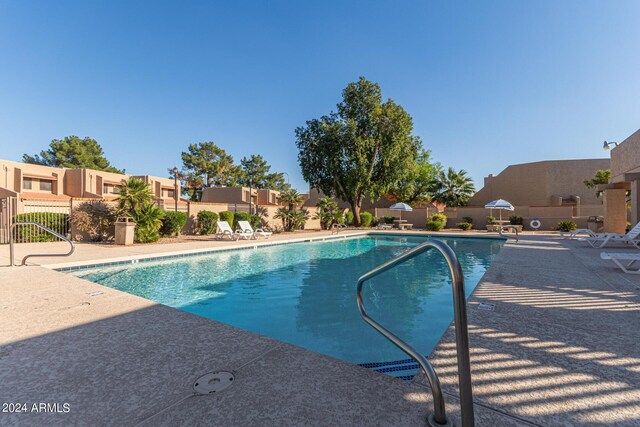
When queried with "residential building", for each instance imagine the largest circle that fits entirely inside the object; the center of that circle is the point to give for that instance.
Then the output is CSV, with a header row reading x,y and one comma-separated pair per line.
x,y
34,181
268,197
545,183
231,195
625,179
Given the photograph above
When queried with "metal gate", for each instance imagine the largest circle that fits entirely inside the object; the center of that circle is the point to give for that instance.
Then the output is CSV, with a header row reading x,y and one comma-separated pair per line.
x,y
8,209
50,213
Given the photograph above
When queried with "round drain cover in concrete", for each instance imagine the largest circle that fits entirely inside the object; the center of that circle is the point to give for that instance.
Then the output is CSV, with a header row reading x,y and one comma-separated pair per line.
x,y
213,382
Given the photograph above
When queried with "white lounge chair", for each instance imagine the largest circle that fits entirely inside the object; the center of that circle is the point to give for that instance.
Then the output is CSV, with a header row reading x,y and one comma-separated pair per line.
x,y
246,227
224,229
629,258
605,239
575,233
383,226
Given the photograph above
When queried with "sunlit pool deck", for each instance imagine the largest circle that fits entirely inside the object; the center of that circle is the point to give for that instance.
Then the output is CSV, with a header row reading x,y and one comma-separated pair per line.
x,y
560,347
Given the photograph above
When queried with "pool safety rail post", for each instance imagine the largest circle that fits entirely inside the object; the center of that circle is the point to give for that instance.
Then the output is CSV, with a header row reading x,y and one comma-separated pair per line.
x,y
47,229
439,416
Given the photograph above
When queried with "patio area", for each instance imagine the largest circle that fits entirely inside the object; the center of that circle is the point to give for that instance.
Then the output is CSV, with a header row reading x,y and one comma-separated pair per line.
x,y
559,347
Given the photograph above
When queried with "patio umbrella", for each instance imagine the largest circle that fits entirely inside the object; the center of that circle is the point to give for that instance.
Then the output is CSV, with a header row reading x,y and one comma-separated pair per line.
x,y
401,207
500,204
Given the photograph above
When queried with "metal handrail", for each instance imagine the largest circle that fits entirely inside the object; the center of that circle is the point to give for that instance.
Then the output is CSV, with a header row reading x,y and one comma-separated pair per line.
x,y
439,416
47,229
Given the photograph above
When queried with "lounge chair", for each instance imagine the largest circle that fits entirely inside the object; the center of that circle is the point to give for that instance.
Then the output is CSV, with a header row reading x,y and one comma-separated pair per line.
x,y
575,233
605,239
224,229
623,260
246,227
384,226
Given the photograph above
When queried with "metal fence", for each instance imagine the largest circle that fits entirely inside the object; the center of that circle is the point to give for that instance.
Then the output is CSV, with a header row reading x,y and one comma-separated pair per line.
x,y
50,213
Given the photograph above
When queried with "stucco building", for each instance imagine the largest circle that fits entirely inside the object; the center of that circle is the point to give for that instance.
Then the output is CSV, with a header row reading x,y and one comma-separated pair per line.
x,y
625,179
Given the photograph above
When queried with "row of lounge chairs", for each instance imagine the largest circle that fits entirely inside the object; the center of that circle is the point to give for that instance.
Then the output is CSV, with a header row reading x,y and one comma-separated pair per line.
x,y
624,260
245,231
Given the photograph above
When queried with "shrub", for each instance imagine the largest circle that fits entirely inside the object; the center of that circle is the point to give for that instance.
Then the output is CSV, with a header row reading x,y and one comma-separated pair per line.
x,y
226,216
515,220
206,222
148,218
467,219
566,225
58,222
240,216
172,223
255,221
375,221
464,225
348,218
491,219
365,219
95,219
434,225
388,219
439,217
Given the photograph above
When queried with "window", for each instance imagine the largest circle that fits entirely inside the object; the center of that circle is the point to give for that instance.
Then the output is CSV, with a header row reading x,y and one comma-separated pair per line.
x,y
105,189
169,193
116,189
27,183
45,185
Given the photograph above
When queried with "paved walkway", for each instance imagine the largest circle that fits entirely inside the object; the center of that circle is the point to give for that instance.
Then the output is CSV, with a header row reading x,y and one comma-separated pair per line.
x,y
560,348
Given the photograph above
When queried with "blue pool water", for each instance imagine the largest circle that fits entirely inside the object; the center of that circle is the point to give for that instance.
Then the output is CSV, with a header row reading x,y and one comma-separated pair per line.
x,y
304,293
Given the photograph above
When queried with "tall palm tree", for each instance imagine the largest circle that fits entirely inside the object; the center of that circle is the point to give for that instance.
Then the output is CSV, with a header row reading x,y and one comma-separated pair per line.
x,y
452,188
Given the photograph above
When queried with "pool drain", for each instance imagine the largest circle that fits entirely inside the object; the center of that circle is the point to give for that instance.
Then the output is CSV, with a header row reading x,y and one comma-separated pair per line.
x,y
213,382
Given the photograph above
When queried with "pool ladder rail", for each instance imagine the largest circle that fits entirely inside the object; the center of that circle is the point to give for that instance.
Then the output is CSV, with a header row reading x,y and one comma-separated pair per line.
x,y
45,228
439,417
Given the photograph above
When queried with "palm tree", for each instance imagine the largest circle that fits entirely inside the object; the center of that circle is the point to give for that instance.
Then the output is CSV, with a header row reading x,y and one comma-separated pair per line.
x,y
327,212
452,188
291,197
133,195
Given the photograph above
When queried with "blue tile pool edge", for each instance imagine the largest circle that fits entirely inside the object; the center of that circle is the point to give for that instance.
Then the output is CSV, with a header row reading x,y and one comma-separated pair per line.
x,y
152,258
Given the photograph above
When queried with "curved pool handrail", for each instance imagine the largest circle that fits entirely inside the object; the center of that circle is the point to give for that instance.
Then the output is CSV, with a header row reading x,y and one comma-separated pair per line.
x,y
439,416
47,229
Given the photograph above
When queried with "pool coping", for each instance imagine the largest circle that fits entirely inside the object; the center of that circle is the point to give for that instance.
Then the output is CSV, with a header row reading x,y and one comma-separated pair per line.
x,y
249,244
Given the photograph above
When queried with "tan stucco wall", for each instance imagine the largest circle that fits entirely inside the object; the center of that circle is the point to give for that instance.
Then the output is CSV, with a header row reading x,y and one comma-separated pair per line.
x,y
625,158
535,184
12,173
227,195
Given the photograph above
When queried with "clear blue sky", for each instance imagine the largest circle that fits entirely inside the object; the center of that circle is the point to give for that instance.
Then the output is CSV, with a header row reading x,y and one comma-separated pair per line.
x,y
487,83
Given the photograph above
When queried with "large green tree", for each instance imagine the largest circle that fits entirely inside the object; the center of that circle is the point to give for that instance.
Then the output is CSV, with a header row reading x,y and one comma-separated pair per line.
x,y
453,188
73,152
363,149
207,165
417,185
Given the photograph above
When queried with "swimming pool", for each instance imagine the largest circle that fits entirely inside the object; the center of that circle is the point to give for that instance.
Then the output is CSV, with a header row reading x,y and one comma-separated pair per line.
x,y
304,293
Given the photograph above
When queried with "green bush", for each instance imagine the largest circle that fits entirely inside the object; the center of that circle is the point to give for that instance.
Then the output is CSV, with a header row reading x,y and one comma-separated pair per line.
x,y
388,219
375,221
256,221
240,216
227,216
467,219
348,218
434,225
464,225
206,222
439,217
566,225
365,219
491,219
172,223
515,220
58,222
148,218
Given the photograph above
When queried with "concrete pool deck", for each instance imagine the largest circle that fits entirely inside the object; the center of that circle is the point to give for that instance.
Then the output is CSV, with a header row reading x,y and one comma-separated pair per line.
x,y
561,347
